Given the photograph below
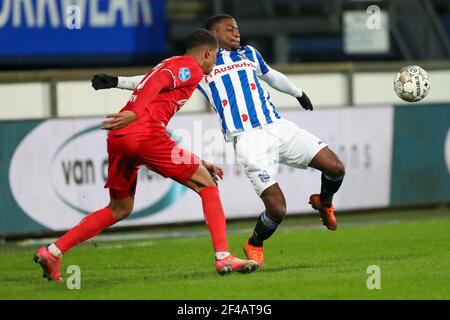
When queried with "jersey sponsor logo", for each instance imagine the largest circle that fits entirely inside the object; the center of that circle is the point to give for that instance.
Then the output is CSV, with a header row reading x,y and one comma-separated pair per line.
x,y
218,70
184,74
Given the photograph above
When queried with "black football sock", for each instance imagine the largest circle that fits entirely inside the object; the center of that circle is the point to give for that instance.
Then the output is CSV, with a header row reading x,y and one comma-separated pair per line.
x,y
330,185
264,228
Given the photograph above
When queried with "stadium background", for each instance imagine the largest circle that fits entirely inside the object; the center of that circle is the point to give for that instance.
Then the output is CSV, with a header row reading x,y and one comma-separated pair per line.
x,y
343,53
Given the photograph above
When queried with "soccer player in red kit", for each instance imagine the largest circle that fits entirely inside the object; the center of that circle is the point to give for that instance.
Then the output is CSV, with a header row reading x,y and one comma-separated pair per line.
x,y
137,137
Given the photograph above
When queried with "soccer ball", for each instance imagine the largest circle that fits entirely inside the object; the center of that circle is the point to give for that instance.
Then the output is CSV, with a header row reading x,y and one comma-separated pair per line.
x,y
412,83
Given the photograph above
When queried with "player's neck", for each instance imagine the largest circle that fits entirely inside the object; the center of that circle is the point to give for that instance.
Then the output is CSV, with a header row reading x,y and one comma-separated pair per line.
x,y
195,55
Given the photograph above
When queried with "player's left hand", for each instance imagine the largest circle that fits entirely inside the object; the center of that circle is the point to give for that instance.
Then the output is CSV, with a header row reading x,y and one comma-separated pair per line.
x,y
215,171
118,120
305,102
104,81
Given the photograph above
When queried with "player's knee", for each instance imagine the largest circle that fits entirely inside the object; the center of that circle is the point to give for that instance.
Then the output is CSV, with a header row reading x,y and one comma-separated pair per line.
x,y
340,169
277,212
121,211
200,184
337,169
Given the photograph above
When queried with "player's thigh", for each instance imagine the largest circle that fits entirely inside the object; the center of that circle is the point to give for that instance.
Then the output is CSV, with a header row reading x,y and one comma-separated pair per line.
x,y
253,145
257,152
298,147
165,157
122,171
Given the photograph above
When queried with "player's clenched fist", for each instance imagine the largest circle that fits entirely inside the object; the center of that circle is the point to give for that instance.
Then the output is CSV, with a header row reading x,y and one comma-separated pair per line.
x,y
104,81
118,120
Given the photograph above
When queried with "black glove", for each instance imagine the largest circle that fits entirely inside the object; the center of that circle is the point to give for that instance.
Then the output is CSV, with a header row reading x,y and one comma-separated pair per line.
x,y
104,81
305,102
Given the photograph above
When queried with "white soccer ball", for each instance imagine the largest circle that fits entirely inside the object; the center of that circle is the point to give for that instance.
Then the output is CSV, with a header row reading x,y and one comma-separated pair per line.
x,y
412,83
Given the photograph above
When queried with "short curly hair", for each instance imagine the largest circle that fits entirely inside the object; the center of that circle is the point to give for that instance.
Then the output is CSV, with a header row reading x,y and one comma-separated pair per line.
x,y
216,19
200,37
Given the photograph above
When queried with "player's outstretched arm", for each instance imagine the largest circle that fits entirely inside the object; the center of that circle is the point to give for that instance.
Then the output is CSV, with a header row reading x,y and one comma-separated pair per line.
x,y
279,81
106,81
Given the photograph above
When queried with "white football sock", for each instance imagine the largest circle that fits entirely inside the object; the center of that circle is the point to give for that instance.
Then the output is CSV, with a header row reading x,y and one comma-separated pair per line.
x,y
54,251
221,255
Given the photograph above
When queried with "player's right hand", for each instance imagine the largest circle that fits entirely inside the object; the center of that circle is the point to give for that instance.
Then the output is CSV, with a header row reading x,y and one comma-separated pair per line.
x,y
215,171
104,81
118,120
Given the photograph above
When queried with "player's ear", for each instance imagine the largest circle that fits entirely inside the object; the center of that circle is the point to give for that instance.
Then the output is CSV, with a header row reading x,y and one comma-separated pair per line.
x,y
208,53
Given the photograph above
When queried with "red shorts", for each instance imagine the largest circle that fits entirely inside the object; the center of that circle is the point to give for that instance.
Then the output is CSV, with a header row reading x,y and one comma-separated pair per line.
x,y
157,151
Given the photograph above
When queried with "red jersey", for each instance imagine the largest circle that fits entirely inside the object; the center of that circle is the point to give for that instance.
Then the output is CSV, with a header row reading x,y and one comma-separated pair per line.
x,y
161,93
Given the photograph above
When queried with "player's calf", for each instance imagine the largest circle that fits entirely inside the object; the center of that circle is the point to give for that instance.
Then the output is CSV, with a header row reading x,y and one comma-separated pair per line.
x,y
330,185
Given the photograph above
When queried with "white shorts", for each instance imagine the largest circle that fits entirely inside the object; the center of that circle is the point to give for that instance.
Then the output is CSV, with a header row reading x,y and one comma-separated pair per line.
x,y
261,151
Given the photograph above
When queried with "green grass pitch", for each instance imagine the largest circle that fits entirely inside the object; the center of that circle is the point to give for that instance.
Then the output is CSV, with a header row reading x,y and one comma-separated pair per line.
x,y
304,261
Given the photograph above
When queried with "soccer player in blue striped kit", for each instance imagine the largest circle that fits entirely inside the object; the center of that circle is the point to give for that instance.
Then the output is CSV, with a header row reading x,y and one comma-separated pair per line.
x,y
262,138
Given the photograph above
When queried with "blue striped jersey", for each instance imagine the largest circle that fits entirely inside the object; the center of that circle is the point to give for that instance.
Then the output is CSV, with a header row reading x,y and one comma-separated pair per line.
x,y
235,92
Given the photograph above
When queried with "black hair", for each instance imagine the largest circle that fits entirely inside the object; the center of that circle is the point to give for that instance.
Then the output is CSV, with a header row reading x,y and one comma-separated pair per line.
x,y
200,38
216,19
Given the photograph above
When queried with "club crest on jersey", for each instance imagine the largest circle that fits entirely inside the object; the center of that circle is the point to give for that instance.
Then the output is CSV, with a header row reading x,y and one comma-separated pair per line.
x,y
264,176
184,74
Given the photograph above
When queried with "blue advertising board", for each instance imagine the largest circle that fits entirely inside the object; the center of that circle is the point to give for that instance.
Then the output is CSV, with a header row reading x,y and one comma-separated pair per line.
x,y
82,27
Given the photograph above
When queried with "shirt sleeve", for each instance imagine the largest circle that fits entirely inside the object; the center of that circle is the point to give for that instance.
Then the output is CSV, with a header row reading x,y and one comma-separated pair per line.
x,y
279,81
148,89
129,83
261,66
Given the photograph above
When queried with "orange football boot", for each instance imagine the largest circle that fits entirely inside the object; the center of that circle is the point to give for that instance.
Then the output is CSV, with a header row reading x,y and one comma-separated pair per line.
x,y
231,263
326,213
254,253
50,264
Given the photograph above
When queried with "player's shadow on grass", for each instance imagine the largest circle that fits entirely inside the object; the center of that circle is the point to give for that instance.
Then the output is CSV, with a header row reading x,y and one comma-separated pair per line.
x,y
287,268
201,275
